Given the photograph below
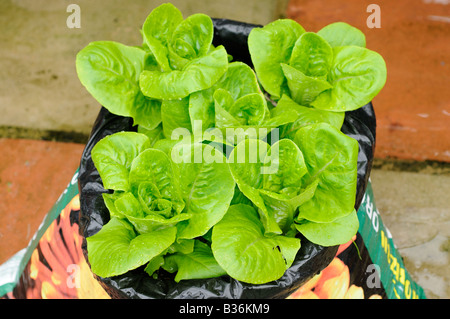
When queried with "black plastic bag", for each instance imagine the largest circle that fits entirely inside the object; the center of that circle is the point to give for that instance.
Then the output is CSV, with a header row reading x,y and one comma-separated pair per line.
x,y
311,258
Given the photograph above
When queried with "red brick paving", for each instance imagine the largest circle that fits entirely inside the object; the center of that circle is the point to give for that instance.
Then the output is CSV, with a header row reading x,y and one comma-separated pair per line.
x,y
32,176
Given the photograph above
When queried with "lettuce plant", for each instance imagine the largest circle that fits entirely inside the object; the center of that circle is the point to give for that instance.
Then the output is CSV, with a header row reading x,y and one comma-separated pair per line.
x,y
184,53
176,59
329,70
195,208
297,188
154,199
236,101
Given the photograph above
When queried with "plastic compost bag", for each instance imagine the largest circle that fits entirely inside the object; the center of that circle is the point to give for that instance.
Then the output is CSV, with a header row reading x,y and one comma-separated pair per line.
x,y
311,258
55,263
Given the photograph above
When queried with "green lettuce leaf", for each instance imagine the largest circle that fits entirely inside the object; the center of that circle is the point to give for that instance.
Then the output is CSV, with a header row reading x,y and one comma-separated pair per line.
x,y
158,29
331,157
146,113
184,246
271,177
201,107
199,74
110,72
154,222
110,203
303,89
198,264
269,46
113,156
195,35
145,216
284,167
154,264
245,253
305,116
128,206
153,135
206,186
116,248
246,166
333,233
247,110
357,76
329,70
154,166
342,34
311,55
235,102
212,106
175,116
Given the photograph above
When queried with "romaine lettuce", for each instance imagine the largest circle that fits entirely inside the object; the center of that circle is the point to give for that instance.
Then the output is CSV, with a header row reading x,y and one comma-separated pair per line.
x,y
245,253
329,70
153,193
212,205
183,49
